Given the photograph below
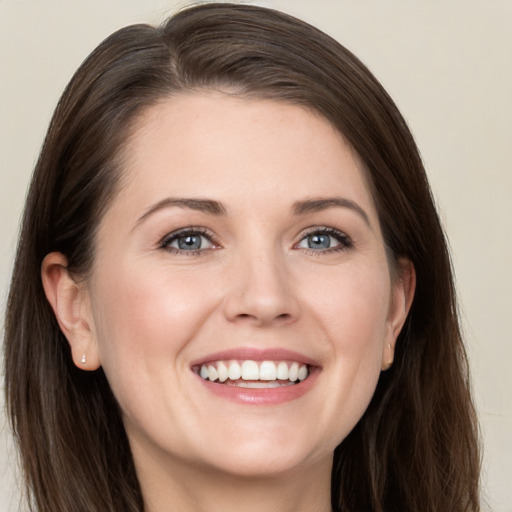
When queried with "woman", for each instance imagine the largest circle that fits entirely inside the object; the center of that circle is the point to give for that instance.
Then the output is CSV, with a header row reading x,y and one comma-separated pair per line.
x,y
232,290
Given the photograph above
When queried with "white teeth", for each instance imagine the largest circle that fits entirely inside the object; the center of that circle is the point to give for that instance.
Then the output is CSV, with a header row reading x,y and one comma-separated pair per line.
x,y
212,373
235,371
222,370
267,372
282,371
250,370
293,372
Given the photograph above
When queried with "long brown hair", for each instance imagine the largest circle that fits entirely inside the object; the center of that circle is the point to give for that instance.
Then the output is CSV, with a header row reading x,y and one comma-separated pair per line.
x,y
415,448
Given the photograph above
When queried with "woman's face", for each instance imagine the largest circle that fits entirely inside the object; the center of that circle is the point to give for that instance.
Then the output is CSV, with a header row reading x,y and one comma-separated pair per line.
x,y
243,239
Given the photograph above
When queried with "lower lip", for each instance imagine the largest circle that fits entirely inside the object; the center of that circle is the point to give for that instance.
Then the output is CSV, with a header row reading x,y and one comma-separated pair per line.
x,y
259,396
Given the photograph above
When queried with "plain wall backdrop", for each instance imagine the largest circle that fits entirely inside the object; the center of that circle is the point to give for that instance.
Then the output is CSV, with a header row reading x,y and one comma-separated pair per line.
x,y
448,66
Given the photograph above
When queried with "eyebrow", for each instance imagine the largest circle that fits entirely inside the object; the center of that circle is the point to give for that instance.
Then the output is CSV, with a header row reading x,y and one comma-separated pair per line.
x,y
212,207
320,204
202,205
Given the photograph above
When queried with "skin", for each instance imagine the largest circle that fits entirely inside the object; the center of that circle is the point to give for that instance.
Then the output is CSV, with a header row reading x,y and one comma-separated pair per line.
x,y
147,312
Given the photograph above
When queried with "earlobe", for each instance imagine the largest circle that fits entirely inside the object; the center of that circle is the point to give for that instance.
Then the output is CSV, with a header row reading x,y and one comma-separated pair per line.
x,y
71,308
403,290
388,357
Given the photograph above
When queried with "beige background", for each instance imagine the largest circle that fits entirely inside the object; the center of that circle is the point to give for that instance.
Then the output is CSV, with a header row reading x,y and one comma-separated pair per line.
x,y
448,65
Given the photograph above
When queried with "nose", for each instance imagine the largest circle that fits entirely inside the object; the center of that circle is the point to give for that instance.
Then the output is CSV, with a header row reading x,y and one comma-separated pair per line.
x,y
261,292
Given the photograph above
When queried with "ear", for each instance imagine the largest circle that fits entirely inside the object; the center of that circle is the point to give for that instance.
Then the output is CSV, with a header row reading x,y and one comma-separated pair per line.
x,y
71,305
403,287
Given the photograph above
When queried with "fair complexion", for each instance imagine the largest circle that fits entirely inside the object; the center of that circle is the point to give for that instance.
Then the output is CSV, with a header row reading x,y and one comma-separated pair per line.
x,y
244,230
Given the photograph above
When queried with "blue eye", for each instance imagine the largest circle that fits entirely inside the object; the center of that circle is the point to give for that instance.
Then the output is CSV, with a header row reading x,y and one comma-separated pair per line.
x,y
190,241
326,239
320,241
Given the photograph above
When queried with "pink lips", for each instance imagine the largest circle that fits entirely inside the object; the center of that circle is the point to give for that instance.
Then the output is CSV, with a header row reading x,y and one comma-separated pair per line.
x,y
277,354
255,396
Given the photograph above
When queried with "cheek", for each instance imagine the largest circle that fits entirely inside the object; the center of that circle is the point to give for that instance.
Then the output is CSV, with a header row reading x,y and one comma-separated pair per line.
x,y
352,306
144,314
354,327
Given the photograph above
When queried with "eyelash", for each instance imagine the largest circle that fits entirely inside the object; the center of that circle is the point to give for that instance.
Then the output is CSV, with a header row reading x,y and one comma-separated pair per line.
x,y
189,231
344,240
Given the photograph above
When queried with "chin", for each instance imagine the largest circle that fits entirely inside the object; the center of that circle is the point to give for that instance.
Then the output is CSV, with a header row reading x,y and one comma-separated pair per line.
x,y
272,464
265,453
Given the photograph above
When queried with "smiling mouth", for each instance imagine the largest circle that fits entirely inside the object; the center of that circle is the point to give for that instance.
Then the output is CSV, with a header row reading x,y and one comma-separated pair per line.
x,y
254,374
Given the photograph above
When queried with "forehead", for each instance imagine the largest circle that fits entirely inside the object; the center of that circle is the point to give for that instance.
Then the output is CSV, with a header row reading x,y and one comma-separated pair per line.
x,y
230,147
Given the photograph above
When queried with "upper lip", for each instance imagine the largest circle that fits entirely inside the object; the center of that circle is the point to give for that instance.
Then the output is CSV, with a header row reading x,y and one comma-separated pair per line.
x,y
256,354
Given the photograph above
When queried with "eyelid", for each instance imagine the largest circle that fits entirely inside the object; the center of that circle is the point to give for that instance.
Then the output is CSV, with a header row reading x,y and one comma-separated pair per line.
x,y
345,241
165,241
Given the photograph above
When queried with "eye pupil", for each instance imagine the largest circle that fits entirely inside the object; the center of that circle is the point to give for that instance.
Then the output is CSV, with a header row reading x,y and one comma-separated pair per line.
x,y
189,242
319,241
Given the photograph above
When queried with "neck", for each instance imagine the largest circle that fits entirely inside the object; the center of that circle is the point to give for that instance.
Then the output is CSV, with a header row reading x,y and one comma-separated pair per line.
x,y
191,489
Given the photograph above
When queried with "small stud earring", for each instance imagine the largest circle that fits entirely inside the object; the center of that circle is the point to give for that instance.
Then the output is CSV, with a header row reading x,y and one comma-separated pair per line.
x,y
84,359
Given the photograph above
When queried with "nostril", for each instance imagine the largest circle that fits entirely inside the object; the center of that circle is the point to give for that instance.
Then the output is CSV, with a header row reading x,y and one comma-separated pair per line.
x,y
261,305
282,318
